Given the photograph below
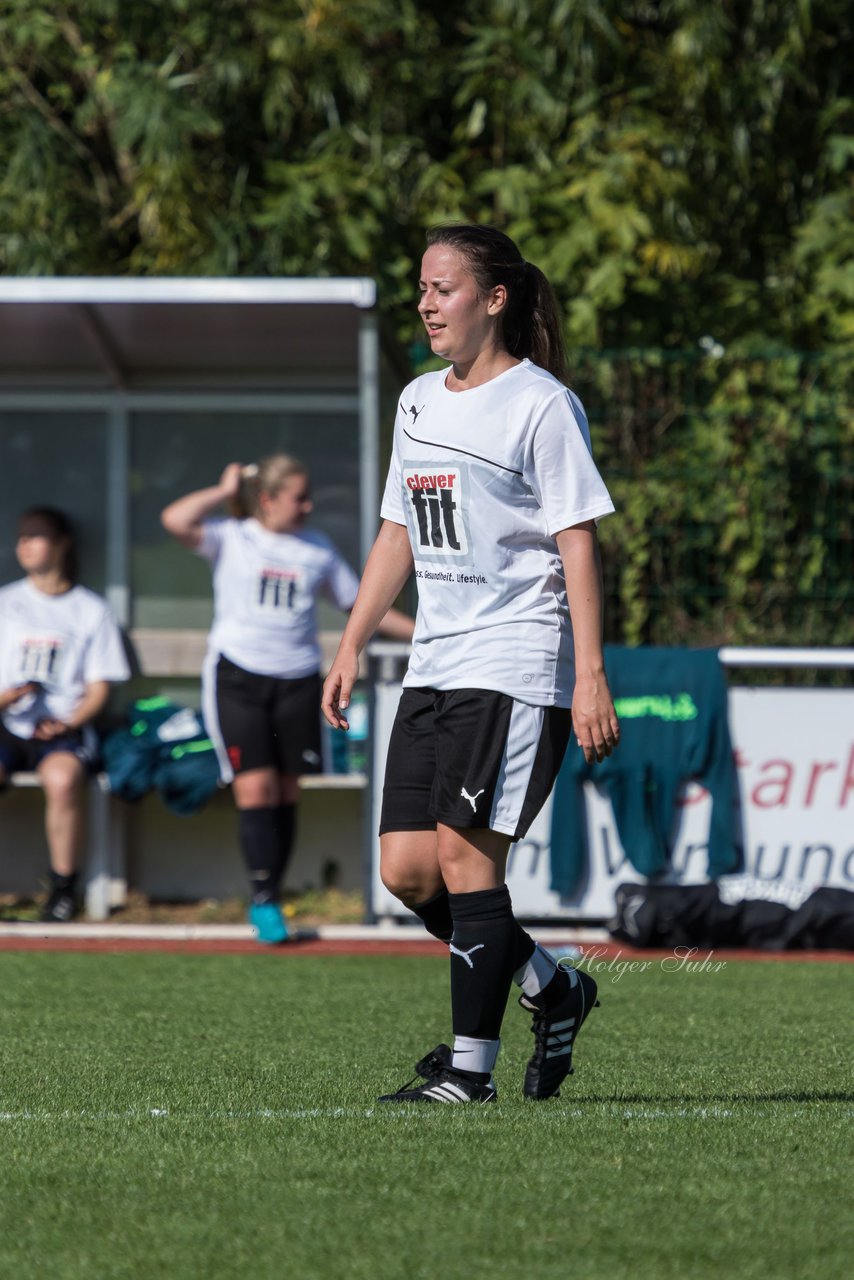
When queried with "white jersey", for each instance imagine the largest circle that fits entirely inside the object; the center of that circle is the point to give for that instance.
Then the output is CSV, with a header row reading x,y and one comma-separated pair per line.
x,y
265,590
484,479
63,643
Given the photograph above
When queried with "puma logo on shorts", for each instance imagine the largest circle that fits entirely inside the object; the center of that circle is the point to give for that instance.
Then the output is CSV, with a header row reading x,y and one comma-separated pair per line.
x,y
472,799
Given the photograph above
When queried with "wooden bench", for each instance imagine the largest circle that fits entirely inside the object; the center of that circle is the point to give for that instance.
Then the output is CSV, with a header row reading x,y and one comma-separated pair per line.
x,y
158,653
162,652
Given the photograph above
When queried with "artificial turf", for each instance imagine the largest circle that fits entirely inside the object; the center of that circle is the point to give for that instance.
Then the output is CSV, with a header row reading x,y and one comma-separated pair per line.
x,y
214,1116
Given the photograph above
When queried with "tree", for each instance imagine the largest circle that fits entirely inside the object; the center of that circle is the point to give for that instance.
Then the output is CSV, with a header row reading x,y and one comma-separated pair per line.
x,y
679,168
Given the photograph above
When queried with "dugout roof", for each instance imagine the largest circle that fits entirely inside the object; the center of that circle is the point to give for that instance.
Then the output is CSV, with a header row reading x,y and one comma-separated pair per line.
x,y
103,334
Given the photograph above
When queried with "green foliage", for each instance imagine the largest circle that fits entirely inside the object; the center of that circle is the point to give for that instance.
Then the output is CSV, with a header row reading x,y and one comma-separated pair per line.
x,y
734,479
678,169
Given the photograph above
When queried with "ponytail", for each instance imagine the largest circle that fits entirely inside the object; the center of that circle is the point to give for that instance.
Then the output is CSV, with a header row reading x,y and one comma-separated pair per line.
x,y
531,325
245,501
539,327
267,476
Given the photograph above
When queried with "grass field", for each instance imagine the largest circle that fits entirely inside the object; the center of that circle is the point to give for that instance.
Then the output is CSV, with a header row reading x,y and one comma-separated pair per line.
x,y
214,1116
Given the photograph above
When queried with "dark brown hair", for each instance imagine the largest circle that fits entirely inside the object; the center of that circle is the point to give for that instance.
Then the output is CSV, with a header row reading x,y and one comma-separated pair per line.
x,y
530,323
59,529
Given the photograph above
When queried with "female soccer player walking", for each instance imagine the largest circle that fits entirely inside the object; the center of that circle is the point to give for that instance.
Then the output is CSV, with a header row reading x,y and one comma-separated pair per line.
x,y
492,498
261,682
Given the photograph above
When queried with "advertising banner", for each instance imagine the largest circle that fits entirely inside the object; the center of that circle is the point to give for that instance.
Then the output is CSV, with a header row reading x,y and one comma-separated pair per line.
x,y
794,761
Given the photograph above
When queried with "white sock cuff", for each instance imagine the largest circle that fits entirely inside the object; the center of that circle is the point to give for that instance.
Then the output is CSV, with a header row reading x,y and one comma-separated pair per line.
x,y
475,1055
537,972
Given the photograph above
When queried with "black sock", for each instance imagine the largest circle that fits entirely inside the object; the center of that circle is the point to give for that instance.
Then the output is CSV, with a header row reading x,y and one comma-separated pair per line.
x,y
65,883
435,914
483,951
287,822
525,947
262,846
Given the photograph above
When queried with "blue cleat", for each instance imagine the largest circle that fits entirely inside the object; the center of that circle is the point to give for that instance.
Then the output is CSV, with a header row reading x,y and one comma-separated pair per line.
x,y
268,922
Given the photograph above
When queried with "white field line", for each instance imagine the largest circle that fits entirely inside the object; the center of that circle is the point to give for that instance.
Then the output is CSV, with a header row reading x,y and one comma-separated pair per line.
x,y
609,1109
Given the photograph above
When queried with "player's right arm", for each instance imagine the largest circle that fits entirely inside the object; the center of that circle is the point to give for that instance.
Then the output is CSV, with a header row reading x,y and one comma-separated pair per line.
x,y
387,569
184,517
8,697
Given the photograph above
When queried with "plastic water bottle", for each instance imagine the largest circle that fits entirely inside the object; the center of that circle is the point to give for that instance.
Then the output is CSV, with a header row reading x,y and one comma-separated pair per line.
x,y
338,752
357,735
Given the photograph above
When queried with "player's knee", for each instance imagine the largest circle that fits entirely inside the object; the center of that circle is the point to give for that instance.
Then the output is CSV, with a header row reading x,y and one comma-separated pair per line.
x,y
453,858
409,866
259,789
404,882
398,885
62,781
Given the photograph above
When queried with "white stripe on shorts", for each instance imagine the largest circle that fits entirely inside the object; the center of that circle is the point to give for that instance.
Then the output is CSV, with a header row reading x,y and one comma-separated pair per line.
x,y
210,714
517,764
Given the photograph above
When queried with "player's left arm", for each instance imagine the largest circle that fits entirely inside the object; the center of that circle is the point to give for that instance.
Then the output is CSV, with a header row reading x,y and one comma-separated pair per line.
x,y
593,716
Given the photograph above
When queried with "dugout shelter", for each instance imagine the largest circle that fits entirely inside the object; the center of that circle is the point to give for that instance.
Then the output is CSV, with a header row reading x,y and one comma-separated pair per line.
x,y
119,395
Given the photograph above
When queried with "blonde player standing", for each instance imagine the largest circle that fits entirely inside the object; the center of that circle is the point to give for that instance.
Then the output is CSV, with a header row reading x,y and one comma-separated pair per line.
x,y
261,682
492,497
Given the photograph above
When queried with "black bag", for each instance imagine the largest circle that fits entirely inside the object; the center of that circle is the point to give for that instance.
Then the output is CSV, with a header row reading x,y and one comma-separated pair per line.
x,y
697,916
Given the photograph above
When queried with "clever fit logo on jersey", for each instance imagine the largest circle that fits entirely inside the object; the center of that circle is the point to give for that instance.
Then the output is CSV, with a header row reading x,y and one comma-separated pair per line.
x,y
436,499
40,659
277,589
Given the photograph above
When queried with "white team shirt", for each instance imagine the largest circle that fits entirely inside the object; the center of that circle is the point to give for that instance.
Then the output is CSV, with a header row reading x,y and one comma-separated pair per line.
x,y
61,642
265,590
484,479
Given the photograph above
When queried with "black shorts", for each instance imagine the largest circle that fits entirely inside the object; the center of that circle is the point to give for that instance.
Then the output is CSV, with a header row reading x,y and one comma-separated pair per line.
x,y
471,758
267,723
19,755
